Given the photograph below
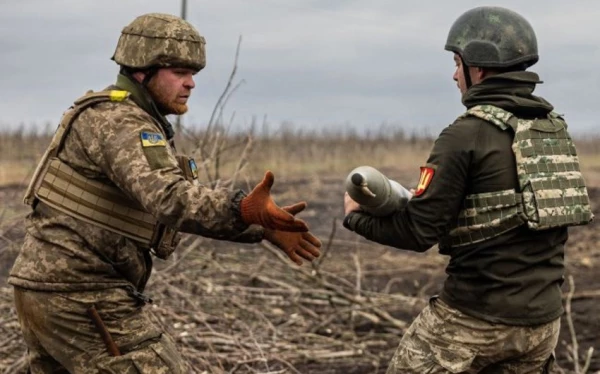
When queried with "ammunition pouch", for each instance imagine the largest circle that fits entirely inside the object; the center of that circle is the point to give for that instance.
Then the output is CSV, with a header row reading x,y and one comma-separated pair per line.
x,y
485,216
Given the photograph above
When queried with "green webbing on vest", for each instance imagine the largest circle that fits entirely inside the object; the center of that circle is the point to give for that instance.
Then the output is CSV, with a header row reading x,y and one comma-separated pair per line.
x,y
552,188
485,216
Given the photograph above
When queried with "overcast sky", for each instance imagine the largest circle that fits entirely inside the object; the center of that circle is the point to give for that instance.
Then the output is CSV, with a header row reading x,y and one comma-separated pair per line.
x,y
315,63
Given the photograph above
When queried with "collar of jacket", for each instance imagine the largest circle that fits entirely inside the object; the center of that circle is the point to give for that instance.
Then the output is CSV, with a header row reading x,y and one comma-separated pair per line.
x,y
142,98
512,91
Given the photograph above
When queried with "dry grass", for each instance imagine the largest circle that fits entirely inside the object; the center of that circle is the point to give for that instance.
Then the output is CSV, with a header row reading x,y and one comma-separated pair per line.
x,y
290,154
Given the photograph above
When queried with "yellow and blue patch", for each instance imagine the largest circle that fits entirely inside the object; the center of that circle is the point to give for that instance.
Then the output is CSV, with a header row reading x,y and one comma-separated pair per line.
x,y
152,139
193,168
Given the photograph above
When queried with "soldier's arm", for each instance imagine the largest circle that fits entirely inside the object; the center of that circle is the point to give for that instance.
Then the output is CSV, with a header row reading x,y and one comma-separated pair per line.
x,y
253,234
147,171
421,224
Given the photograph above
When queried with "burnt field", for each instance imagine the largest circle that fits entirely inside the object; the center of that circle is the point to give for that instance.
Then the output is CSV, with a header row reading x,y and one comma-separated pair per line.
x,y
247,309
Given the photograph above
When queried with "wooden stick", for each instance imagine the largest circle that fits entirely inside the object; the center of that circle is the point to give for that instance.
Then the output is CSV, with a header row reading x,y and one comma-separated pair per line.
x,y
104,333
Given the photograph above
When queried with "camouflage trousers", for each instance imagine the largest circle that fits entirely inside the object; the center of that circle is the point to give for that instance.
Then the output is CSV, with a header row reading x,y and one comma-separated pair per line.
x,y
61,337
445,340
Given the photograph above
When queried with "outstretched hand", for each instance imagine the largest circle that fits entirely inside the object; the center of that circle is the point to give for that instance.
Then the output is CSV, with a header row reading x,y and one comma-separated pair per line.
x,y
259,208
296,245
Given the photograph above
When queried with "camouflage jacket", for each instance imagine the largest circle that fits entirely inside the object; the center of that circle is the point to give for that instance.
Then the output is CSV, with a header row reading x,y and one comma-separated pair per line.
x,y
62,253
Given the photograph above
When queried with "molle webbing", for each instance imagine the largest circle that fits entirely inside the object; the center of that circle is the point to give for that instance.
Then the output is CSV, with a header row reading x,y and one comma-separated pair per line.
x,y
485,216
84,102
60,187
99,202
65,190
554,192
552,189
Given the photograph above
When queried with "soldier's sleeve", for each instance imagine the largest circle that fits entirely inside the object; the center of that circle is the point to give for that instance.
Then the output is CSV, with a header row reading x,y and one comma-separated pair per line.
x,y
128,146
253,234
437,200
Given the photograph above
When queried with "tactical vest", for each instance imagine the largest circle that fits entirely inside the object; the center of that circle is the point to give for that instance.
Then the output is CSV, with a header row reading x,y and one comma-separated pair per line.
x,y
55,186
552,190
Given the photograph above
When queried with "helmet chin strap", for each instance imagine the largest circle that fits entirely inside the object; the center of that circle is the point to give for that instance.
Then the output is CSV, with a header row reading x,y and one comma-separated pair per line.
x,y
466,74
148,75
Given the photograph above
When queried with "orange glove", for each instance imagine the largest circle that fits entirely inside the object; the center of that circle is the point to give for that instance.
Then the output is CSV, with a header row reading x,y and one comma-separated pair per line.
x,y
296,245
258,208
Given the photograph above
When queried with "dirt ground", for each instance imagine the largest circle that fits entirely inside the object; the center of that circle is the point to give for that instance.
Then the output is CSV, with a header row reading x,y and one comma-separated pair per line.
x,y
382,270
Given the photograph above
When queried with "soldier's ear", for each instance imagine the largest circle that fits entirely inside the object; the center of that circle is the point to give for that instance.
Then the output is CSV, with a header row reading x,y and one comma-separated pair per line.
x,y
477,74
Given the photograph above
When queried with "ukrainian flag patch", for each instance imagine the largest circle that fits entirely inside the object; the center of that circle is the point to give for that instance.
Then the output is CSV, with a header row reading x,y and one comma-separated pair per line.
x,y
152,139
193,168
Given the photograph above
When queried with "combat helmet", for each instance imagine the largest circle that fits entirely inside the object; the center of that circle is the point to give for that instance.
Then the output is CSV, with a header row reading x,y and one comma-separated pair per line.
x,y
156,40
493,37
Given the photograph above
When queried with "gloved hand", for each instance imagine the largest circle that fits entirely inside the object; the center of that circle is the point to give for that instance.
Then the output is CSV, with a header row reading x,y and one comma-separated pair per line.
x,y
296,245
258,208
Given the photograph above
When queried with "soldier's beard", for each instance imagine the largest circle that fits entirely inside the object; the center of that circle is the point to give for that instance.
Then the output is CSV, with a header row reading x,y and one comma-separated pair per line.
x,y
165,104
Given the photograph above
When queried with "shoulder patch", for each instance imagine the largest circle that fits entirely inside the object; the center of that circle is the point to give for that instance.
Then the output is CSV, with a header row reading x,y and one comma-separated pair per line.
x,y
424,180
193,168
118,95
152,139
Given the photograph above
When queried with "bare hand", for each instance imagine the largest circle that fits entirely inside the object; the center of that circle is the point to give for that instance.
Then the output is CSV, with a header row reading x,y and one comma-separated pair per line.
x,y
350,205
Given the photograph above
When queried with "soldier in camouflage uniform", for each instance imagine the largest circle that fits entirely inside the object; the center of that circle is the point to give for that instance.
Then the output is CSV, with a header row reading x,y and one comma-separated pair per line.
x,y
500,187
109,192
